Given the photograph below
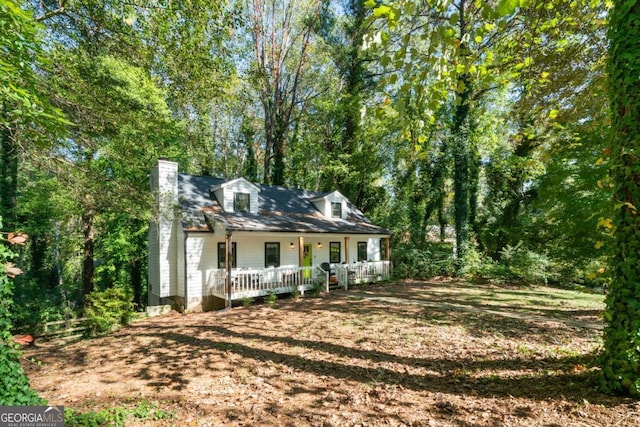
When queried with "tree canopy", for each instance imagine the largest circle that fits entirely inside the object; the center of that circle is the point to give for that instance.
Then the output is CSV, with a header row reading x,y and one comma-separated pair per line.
x,y
475,130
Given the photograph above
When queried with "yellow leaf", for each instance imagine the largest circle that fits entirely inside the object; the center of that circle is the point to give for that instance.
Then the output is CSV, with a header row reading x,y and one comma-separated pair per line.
x,y
553,114
544,74
599,244
630,206
605,222
599,161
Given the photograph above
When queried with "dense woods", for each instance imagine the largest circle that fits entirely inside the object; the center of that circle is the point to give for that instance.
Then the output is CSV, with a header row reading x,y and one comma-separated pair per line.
x,y
476,131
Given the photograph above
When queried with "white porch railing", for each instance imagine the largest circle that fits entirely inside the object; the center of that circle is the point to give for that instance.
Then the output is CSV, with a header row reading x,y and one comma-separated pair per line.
x,y
253,282
362,272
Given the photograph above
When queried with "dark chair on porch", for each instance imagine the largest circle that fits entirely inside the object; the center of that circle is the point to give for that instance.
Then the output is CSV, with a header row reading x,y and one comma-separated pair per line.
x,y
332,273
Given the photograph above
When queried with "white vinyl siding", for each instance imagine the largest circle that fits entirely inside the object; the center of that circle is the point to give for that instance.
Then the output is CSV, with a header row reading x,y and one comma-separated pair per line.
x,y
154,259
202,256
325,205
227,192
202,251
163,254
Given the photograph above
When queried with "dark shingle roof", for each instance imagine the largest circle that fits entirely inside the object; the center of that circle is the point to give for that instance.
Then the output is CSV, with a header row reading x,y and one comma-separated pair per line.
x,y
281,210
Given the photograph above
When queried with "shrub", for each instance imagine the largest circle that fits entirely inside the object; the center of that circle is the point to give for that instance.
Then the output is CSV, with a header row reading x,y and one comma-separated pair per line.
x,y
271,298
247,301
317,289
524,264
108,309
411,263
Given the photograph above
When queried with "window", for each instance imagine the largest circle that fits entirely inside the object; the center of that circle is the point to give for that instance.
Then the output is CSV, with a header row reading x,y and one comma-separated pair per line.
x,y
336,210
272,254
222,258
334,252
362,251
241,202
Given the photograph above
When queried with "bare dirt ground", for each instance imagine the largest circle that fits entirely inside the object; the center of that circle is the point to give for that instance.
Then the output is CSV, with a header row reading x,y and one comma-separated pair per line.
x,y
345,359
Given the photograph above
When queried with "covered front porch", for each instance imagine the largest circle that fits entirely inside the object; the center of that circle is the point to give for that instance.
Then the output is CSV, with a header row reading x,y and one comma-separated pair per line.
x,y
256,282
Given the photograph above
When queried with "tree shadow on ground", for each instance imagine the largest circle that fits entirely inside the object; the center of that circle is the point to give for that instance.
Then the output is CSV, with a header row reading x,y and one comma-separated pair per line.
x,y
275,347
445,376
477,322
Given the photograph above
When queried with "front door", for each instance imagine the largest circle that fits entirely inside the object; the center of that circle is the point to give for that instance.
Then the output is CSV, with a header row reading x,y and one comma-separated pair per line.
x,y
307,259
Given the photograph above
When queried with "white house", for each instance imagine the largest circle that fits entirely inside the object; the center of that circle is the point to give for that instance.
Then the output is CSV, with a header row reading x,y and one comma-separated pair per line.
x,y
215,240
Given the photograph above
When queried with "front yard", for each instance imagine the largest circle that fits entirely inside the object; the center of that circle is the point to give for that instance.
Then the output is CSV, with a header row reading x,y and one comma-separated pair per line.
x,y
462,355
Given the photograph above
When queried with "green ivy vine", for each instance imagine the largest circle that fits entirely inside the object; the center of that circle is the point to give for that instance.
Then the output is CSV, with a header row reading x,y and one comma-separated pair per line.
x,y
14,384
620,360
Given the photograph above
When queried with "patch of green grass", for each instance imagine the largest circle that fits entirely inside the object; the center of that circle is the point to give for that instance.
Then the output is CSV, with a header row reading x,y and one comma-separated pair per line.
x,y
519,297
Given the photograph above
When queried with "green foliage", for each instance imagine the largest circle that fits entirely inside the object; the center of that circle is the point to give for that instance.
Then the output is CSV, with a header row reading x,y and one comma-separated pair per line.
x,y
22,99
116,416
271,298
524,264
518,264
620,360
108,309
247,301
317,289
436,260
14,384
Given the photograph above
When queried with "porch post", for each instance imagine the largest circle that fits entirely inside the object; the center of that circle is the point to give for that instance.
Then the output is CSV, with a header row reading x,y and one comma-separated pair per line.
x,y
300,250
346,250
227,264
387,254
300,274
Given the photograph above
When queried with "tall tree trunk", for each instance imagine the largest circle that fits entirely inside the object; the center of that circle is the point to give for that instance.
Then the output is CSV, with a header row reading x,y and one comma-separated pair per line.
x,y
462,148
37,248
136,281
461,157
442,219
620,371
8,179
278,157
250,166
88,217
351,183
474,181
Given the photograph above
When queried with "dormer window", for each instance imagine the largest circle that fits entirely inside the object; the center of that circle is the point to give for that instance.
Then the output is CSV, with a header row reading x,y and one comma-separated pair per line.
x,y
241,202
336,210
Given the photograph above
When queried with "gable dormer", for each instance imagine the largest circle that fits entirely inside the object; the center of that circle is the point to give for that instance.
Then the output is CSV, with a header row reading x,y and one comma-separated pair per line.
x,y
331,205
237,195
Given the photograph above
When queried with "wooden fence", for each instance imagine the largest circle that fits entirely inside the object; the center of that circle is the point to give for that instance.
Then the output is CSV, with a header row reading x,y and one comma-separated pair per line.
x,y
62,332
